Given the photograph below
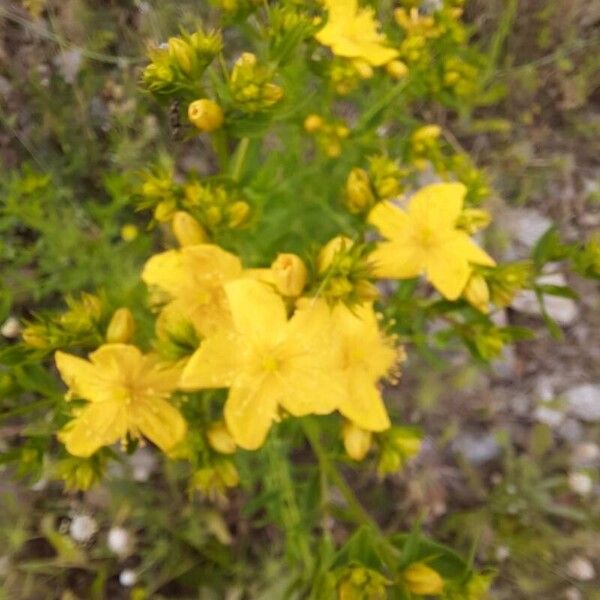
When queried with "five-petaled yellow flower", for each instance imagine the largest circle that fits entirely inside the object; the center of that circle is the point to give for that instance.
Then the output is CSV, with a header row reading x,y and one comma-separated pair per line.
x,y
268,362
424,239
193,278
127,393
365,356
352,32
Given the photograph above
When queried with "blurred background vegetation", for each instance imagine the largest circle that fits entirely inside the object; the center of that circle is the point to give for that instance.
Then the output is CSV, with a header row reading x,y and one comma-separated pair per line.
x,y
509,468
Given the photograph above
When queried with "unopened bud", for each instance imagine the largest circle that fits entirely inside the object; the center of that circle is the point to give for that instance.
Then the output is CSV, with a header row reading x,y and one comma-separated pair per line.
x,y
289,274
477,293
313,123
272,93
129,232
187,230
423,580
206,115
238,213
220,439
165,210
396,69
182,53
363,68
357,441
121,327
359,196
332,248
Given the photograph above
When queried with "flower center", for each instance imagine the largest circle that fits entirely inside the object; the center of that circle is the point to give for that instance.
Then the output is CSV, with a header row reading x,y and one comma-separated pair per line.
x,y
270,364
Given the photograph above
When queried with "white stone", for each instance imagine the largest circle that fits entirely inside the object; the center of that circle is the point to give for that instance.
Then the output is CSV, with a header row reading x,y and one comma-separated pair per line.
x,y
580,483
502,553
571,430
143,462
477,449
562,310
128,578
585,454
527,225
82,528
573,594
11,328
584,401
581,568
119,541
548,416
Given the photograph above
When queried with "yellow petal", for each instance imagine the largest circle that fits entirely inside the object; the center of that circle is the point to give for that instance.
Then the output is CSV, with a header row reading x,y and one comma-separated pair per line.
x,y
82,377
397,260
377,54
464,245
158,377
391,221
437,206
363,405
159,421
448,272
165,270
249,413
257,311
98,424
214,364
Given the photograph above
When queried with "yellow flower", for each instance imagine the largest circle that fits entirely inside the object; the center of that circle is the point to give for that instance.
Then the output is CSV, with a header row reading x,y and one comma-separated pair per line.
x,y
126,393
268,362
425,240
193,279
366,357
352,32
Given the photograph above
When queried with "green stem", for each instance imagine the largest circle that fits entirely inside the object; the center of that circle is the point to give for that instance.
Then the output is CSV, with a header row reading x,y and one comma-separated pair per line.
x,y
219,141
360,515
239,158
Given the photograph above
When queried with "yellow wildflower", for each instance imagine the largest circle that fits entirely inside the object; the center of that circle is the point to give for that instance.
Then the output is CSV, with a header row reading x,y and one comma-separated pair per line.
x,y
127,392
366,357
267,362
352,32
425,240
193,279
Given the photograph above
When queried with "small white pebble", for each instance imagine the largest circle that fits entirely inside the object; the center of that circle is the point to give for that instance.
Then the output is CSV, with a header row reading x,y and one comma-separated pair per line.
x,y
502,553
581,568
585,453
128,578
580,483
573,594
10,328
119,541
82,528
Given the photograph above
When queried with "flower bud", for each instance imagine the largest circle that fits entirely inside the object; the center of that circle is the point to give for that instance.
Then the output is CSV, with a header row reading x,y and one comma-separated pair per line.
x,y
34,336
313,123
187,230
427,133
182,53
396,69
333,149
477,293
359,196
363,68
473,219
165,210
220,439
206,115
129,232
332,248
289,274
238,213
423,580
272,93
357,441
121,327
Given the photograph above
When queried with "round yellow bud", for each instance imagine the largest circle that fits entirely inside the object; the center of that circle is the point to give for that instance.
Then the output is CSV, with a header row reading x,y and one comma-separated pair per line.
x,y
121,327
187,230
213,216
34,336
206,115
331,249
423,580
313,123
363,68
333,149
289,274
129,232
165,210
396,69
427,133
357,441
272,93
477,293
220,439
